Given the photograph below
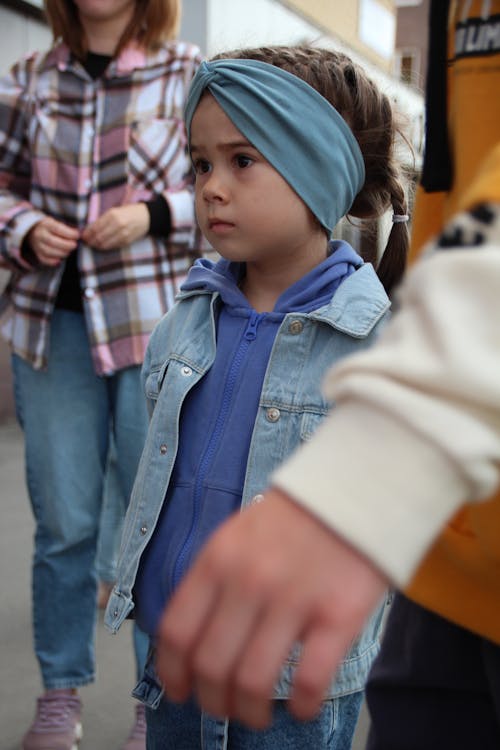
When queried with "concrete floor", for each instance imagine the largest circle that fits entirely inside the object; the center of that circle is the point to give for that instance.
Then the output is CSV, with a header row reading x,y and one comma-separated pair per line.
x,y
108,709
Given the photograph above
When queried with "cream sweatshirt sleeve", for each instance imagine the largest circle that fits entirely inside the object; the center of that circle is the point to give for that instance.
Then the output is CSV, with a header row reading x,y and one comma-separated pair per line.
x,y
415,431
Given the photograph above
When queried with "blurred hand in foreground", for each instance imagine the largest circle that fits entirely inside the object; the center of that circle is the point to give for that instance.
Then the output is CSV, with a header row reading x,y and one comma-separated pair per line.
x,y
270,576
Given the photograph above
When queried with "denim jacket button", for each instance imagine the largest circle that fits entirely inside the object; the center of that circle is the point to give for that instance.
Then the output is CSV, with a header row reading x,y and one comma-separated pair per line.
x,y
295,327
273,414
257,498
186,371
144,529
163,449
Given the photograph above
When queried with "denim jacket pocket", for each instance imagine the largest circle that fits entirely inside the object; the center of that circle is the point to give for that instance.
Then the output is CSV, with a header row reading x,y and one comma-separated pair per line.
x,y
353,670
310,423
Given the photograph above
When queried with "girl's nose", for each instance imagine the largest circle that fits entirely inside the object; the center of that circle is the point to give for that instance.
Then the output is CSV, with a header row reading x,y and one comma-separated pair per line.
x,y
214,188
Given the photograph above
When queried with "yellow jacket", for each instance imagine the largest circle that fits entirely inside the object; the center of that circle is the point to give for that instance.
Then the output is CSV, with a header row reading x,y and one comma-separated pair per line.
x,y
460,577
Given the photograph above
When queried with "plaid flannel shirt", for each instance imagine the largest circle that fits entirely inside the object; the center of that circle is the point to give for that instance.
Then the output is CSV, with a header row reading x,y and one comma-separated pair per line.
x,y
72,147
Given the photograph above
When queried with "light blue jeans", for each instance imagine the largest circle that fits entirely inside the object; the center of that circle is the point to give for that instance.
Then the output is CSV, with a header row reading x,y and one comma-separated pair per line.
x,y
183,727
67,413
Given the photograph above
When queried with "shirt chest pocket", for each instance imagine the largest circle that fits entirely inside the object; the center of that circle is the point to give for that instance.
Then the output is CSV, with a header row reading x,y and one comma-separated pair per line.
x,y
55,133
157,154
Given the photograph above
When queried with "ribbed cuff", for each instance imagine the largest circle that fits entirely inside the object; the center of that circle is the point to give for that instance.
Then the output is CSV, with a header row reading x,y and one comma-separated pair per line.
x,y
377,484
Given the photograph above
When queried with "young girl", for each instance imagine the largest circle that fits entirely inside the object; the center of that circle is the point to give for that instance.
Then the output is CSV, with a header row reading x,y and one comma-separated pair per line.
x,y
284,142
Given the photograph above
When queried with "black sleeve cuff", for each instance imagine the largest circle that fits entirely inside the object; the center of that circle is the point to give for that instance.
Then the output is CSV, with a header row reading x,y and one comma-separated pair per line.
x,y
28,254
160,223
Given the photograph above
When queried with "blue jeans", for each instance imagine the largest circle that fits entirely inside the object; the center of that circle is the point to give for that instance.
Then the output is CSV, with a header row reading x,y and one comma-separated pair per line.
x,y
183,726
67,413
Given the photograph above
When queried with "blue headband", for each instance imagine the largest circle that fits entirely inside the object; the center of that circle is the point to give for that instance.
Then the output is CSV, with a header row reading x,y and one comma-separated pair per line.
x,y
295,128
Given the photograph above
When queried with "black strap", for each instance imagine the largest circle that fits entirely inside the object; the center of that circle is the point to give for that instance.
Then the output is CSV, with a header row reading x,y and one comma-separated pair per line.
x,y
437,172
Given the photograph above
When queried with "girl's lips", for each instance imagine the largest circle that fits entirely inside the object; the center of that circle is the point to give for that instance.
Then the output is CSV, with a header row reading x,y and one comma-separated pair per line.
x,y
220,227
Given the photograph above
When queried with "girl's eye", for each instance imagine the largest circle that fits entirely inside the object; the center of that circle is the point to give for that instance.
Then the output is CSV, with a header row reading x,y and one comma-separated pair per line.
x,y
201,166
243,161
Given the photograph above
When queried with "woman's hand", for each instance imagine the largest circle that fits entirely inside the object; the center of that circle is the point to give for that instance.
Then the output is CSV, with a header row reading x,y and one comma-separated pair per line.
x,y
52,241
118,227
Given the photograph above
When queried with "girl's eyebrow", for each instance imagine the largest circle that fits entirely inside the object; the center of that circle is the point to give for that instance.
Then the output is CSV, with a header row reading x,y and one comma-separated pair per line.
x,y
226,146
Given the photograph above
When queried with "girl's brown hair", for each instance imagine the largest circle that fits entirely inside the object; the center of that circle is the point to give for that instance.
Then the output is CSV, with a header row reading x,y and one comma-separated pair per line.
x,y
369,114
153,22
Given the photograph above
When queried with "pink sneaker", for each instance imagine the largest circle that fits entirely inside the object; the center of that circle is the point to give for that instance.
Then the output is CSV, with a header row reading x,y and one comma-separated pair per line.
x,y
137,737
57,724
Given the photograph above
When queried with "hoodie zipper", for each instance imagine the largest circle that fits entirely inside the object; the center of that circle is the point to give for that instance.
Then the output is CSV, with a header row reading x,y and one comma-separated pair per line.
x,y
249,335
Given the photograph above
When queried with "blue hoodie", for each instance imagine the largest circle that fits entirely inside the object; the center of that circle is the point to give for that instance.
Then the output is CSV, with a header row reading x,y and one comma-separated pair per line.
x,y
217,420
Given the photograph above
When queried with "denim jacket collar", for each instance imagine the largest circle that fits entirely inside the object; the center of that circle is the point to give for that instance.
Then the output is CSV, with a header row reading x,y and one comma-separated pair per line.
x,y
356,307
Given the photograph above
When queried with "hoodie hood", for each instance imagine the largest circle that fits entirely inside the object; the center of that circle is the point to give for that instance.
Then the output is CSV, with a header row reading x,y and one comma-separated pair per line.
x,y
308,293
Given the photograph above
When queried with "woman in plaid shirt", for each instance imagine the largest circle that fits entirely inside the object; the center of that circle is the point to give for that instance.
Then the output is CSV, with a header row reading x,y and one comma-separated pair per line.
x,y
97,227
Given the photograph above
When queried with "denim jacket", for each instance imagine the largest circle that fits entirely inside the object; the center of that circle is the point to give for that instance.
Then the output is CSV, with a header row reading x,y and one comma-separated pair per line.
x,y
181,350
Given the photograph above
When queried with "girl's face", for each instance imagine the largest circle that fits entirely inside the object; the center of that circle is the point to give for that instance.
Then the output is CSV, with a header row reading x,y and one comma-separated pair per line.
x,y
245,209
